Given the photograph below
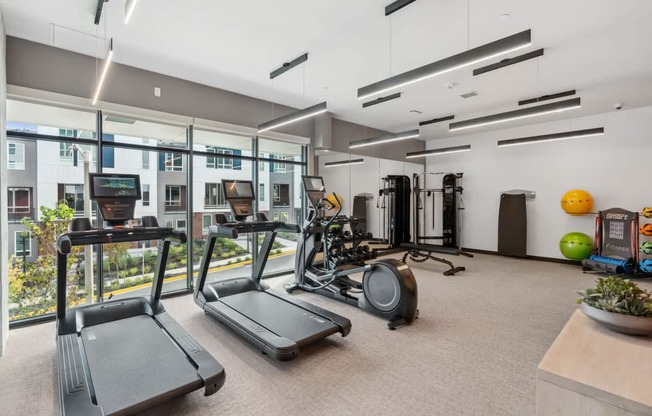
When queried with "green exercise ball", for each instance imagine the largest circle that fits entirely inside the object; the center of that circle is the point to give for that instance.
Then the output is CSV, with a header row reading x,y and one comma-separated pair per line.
x,y
576,246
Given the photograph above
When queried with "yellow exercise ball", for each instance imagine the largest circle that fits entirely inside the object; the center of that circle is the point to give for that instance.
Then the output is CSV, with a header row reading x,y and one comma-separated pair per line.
x,y
577,202
333,201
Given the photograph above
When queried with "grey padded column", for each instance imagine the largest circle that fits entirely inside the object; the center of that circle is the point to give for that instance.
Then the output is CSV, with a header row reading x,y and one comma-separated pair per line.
x,y
4,243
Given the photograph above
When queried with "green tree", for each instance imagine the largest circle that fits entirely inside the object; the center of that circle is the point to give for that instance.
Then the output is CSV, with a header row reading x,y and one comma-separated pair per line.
x,y
114,252
34,290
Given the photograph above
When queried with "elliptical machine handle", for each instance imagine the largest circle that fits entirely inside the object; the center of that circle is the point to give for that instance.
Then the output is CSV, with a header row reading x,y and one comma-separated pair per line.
x,y
339,209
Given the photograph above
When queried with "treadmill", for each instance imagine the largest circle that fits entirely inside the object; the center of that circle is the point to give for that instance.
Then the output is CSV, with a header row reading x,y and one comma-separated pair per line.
x,y
123,356
275,324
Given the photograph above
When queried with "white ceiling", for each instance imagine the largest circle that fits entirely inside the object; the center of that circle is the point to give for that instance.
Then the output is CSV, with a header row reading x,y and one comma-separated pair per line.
x,y
600,48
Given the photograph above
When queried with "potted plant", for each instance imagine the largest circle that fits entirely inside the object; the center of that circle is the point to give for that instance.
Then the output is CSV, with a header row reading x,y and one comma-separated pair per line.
x,y
618,304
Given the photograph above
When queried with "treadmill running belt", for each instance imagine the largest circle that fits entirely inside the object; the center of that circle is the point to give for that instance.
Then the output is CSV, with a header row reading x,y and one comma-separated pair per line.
x,y
280,317
133,362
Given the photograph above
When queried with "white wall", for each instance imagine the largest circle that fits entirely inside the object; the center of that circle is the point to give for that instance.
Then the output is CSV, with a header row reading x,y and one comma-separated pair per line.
x,y
4,258
614,168
351,180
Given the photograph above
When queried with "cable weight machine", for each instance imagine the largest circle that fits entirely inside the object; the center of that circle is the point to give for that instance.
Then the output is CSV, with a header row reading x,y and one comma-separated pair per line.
x,y
394,201
452,203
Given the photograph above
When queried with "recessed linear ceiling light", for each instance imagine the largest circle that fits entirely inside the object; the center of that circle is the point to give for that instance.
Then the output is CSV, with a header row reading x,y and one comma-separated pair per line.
x,y
293,117
575,134
105,69
461,60
381,100
344,163
508,62
288,65
396,6
441,151
516,114
385,139
547,97
130,5
436,120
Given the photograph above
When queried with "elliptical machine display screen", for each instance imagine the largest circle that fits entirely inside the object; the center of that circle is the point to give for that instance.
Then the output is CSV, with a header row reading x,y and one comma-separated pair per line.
x,y
238,189
313,183
315,189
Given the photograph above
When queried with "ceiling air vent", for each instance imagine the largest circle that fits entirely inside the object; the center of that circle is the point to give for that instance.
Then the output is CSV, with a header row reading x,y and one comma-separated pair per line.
x,y
117,119
469,94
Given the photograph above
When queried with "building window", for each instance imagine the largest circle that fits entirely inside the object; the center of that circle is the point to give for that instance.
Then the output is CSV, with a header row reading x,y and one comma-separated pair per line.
x,y
281,195
173,162
74,197
275,216
16,156
145,195
214,196
216,162
67,133
169,223
206,222
19,203
279,167
65,153
23,244
181,225
261,192
261,165
145,157
284,216
172,196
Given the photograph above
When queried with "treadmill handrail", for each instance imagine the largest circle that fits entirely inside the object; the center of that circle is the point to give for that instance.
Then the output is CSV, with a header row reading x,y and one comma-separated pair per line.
x,y
65,242
232,229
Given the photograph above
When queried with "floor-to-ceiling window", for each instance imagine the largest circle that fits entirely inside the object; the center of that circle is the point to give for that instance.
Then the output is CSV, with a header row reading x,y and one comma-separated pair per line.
x,y
280,168
51,148
158,153
219,156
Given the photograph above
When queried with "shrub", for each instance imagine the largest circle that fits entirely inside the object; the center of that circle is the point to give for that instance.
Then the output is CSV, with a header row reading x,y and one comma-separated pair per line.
x,y
123,262
133,271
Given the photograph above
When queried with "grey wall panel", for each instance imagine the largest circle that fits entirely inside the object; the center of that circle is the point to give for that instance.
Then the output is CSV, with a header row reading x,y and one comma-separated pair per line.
x,y
4,258
43,67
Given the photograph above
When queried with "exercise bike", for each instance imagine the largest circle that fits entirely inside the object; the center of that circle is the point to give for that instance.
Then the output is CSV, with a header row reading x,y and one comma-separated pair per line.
x,y
388,288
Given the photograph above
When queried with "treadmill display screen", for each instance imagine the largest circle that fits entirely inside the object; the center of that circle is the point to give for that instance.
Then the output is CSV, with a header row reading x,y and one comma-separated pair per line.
x,y
238,189
115,186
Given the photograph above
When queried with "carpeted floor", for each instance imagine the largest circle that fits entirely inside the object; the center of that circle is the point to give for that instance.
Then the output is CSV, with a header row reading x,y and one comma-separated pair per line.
x,y
473,351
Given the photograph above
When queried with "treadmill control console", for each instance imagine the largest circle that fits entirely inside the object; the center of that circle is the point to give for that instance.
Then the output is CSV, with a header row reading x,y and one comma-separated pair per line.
x,y
116,195
242,208
240,195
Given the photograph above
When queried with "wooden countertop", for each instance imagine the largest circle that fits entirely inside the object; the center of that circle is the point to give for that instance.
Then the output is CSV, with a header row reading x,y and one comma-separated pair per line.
x,y
597,362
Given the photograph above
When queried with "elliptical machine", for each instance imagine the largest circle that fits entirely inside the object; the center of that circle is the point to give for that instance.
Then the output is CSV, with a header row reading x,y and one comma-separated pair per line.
x,y
388,288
